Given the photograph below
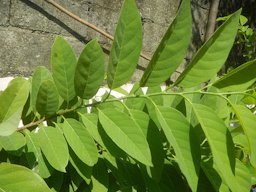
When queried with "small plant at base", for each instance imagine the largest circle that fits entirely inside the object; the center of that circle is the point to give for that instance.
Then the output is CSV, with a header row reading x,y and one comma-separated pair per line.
x,y
196,135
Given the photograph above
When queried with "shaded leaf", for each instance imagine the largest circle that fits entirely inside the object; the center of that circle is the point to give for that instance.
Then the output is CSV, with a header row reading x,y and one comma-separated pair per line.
x,y
54,147
80,141
82,169
238,79
36,160
100,179
243,176
220,141
47,98
89,70
12,101
91,121
19,179
166,58
40,75
180,135
63,63
212,55
126,134
213,176
154,140
247,120
126,47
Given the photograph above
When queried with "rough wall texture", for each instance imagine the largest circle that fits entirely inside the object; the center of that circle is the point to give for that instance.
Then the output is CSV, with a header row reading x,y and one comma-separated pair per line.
x,y
28,28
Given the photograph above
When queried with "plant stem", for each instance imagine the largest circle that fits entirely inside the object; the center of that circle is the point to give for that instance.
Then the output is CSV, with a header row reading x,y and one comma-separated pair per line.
x,y
134,97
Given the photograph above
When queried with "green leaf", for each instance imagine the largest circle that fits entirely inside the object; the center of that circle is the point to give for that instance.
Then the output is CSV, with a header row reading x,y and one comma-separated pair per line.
x,y
126,134
126,46
63,62
12,101
90,120
248,122
151,132
209,170
171,50
12,142
19,179
180,135
212,55
89,70
47,98
238,79
35,157
243,176
80,141
54,147
81,168
41,74
220,141
100,179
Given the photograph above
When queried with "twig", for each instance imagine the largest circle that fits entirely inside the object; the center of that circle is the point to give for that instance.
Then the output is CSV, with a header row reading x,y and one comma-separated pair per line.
x,y
110,37
212,19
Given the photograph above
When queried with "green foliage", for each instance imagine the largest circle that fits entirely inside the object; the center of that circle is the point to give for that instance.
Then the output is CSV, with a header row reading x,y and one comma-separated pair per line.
x,y
198,134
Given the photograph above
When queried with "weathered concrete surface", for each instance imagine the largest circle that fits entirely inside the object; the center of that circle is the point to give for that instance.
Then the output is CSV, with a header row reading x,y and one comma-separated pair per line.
x,y
25,50
4,12
28,28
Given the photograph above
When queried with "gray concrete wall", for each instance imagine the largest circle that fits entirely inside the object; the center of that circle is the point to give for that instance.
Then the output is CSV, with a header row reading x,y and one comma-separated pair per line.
x,y
28,28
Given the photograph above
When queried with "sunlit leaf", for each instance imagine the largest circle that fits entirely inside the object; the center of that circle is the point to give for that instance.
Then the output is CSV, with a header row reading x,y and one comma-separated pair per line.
x,y
89,70
171,50
54,147
126,46
80,141
212,55
19,179
12,142
238,79
126,134
12,101
63,62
